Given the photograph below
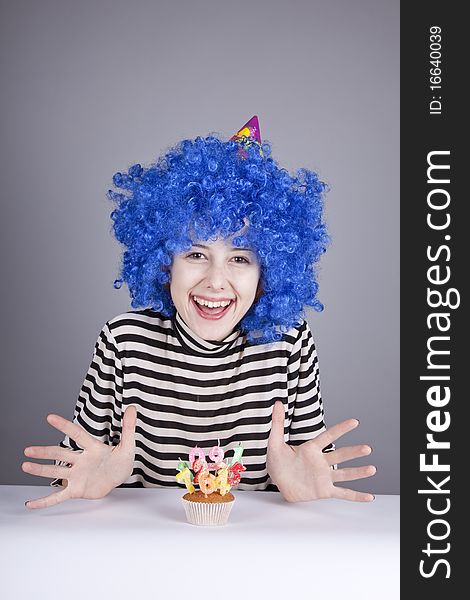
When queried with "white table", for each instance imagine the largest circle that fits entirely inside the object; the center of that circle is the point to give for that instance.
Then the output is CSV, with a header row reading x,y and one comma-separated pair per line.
x,y
136,544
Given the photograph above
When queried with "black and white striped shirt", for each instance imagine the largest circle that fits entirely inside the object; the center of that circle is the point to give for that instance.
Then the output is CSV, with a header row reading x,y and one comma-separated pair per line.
x,y
189,392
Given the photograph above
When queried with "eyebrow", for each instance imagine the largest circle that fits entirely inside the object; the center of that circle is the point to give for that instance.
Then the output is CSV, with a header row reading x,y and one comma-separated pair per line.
x,y
233,249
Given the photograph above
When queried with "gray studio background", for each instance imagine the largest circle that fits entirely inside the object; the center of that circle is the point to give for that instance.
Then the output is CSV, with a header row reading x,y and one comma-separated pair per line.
x,y
91,87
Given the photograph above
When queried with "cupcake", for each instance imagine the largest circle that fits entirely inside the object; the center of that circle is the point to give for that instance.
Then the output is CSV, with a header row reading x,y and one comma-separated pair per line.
x,y
211,504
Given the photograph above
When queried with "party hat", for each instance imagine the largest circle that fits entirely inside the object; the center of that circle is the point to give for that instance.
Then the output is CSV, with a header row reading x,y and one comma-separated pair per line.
x,y
248,135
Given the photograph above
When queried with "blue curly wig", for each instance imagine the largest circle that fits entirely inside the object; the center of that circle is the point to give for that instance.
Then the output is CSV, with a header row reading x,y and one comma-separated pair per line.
x,y
203,189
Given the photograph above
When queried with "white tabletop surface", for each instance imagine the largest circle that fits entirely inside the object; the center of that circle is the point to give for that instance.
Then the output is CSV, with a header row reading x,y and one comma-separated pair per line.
x,y
135,543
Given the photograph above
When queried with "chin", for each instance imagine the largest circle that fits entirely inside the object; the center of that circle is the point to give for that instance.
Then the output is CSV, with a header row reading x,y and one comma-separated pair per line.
x,y
213,333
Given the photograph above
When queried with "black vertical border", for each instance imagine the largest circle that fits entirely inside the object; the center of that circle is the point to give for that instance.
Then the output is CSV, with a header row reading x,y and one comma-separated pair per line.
x,y
421,133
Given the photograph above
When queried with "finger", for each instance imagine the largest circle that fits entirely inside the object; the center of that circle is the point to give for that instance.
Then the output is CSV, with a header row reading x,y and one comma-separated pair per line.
x,y
333,433
347,453
53,471
353,473
129,421
52,453
50,500
276,435
351,495
74,431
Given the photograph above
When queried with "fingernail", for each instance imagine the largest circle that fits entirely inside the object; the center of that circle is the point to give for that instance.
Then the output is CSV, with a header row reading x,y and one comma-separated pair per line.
x,y
26,503
358,422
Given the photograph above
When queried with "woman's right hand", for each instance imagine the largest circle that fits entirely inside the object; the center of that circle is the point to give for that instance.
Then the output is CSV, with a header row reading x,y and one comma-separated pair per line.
x,y
94,472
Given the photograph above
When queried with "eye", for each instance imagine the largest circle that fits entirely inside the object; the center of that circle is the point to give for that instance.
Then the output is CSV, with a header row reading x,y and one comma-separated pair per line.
x,y
241,260
195,256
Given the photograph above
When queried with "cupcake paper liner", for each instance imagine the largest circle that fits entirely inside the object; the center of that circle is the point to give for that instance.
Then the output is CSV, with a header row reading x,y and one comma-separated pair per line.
x,y
207,513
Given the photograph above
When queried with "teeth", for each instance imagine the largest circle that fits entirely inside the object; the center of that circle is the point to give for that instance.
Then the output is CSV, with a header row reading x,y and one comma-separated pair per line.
x,y
211,304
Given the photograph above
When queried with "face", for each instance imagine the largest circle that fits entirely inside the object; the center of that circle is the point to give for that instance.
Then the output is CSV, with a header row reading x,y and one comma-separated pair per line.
x,y
213,286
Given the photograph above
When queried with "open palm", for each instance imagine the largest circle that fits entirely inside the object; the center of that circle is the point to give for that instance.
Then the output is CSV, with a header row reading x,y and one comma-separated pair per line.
x,y
305,472
94,471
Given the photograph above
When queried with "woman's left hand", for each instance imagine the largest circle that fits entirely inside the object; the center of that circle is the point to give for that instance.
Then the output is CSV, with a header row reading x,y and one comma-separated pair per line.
x,y
305,472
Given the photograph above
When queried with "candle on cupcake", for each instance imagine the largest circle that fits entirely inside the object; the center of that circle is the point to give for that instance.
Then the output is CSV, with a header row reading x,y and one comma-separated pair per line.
x,y
218,475
212,503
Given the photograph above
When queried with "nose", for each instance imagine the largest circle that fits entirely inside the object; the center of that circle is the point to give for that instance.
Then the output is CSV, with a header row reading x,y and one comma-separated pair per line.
x,y
216,278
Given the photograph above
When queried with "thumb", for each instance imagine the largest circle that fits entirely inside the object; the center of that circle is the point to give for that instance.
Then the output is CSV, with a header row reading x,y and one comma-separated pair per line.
x,y
276,436
129,421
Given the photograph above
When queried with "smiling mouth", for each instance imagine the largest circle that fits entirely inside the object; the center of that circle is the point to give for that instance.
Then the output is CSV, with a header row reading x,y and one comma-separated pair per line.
x,y
211,312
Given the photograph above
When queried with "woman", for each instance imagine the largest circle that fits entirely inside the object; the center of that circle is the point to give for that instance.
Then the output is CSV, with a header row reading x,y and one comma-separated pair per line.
x,y
221,244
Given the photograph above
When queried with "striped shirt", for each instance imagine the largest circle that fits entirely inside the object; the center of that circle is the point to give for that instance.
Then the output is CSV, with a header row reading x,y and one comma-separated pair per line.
x,y
189,391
